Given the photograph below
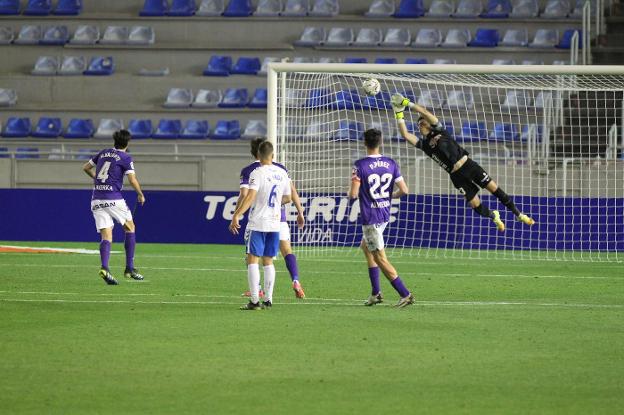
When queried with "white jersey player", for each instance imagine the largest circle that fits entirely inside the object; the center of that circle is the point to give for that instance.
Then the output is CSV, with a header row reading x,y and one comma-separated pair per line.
x,y
269,189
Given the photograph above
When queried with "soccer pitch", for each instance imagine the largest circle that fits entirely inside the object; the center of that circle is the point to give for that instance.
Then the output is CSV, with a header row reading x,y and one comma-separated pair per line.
x,y
485,336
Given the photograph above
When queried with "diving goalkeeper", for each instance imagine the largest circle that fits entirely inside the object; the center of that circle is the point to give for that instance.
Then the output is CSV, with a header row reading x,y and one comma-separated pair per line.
x,y
466,174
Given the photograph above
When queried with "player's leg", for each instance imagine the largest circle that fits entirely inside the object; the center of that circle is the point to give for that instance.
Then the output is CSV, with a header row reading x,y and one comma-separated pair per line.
x,y
129,245
104,225
373,274
504,198
464,181
290,259
476,204
271,248
246,240
255,249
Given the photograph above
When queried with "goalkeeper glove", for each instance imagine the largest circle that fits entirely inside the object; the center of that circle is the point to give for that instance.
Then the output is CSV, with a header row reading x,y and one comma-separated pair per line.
x,y
399,102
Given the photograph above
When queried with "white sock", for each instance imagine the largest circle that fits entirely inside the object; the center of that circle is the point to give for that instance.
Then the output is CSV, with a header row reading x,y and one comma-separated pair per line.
x,y
253,277
269,282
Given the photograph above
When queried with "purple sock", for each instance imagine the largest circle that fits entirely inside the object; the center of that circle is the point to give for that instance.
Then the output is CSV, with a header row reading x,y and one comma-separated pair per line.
x,y
399,287
373,274
129,245
291,264
105,248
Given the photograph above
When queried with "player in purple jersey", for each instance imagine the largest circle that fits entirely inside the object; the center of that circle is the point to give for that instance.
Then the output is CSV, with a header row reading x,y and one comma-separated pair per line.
x,y
373,181
285,247
466,175
107,169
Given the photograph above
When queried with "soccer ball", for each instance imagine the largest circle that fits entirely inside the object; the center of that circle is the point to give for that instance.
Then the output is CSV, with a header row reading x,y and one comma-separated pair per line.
x,y
371,86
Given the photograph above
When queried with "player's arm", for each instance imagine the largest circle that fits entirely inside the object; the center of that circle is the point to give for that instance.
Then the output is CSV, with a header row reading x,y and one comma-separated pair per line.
x,y
295,199
402,189
399,102
134,182
88,168
241,208
287,195
354,190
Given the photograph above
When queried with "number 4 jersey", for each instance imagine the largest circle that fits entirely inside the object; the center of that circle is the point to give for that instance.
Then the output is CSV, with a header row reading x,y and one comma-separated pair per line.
x,y
271,182
111,165
377,175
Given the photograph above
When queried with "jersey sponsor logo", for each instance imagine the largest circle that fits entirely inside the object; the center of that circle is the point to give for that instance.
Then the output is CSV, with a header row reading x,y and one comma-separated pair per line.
x,y
440,162
102,205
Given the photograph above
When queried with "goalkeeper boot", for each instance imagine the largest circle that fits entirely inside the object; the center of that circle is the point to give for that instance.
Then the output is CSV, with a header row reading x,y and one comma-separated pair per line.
x,y
133,273
405,301
107,277
251,306
497,220
267,304
526,220
298,289
374,299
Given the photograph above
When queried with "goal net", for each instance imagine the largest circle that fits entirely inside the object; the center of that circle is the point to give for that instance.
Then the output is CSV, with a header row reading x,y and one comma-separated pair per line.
x,y
551,137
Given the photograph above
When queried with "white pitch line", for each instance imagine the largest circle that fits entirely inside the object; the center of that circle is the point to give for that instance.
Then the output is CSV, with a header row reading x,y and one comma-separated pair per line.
x,y
359,304
412,274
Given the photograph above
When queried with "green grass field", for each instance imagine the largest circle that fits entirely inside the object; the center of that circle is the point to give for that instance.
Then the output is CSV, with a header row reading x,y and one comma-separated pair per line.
x,y
485,337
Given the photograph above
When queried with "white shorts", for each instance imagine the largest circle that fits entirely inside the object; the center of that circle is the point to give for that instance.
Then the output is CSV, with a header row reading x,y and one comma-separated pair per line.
x,y
373,236
284,231
104,211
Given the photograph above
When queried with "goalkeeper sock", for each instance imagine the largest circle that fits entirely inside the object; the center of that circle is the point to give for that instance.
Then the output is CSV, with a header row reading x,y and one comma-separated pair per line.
x,y
253,277
483,211
291,264
105,250
269,282
129,245
400,287
373,274
506,200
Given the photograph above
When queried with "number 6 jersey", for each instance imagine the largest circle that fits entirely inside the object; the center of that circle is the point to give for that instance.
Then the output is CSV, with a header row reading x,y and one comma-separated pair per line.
x,y
271,182
377,175
111,165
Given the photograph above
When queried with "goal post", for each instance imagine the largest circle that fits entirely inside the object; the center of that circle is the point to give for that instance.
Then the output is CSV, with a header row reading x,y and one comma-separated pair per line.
x,y
550,136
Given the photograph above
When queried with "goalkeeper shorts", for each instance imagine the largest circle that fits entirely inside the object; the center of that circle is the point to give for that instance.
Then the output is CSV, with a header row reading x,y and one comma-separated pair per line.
x,y
470,178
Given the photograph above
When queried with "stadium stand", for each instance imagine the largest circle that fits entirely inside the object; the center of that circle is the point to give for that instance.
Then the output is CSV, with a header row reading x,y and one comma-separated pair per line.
x,y
195,129
238,8
9,7
270,8
48,127
68,8
16,127
409,9
140,128
46,66
168,129
79,128
381,8
85,35
226,130
38,8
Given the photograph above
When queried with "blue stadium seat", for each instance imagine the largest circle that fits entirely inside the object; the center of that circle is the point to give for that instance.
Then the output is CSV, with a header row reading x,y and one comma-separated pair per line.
x,y
473,131
238,8
319,98
268,8
86,35
556,9
340,36
27,153
234,98
545,38
107,127
8,97
566,39
179,98
505,132
29,35
311,36
259,99
154,8
219,65
246,66
195,130
381,8
416,61
347,99
4,153
55,35
254,129
380,101
355,60
487,38
386,60
140,128
497,9
101,66
456,38
182,8
441,8
211,8
428,38
349,130
525,9
46,66
515,38
326,8
16,127
6,35
397,37
368,36
79,128
296,8
38,8
226,130
468,9
409,9
9,7
48,128
168,129
68,8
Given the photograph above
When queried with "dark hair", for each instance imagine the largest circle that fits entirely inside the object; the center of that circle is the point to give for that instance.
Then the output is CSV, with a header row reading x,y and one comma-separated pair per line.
x,y
372,138
122,137
255,143
265,150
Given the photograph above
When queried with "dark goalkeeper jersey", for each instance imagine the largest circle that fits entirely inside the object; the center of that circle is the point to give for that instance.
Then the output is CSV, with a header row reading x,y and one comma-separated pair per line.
x,y
441,147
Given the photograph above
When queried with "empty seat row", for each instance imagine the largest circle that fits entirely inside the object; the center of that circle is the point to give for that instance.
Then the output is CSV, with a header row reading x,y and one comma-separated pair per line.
x,y
41,7
494,9
84,35
431,38
51,127
206,98
240,8
74,65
